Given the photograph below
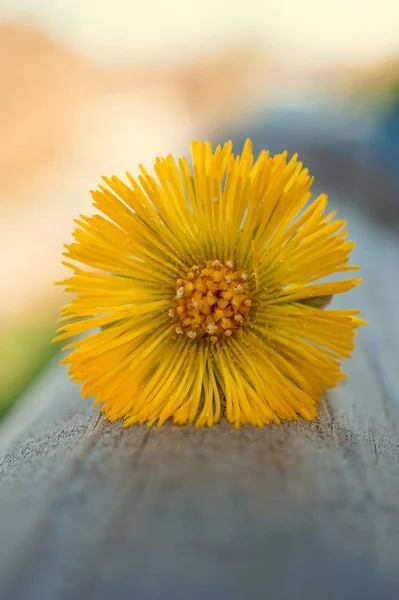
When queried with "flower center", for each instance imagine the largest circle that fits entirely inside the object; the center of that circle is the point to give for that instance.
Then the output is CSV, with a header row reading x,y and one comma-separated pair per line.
x,y
211,301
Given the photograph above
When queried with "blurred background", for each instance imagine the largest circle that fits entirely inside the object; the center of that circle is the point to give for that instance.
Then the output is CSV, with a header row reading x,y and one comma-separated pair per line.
x,y
94,87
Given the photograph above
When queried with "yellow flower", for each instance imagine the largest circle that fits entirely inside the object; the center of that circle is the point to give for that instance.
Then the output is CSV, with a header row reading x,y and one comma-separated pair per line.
x,y
200,288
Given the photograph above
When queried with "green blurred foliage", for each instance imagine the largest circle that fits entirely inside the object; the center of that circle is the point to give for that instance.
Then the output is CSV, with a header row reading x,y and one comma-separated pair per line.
x,y
24,351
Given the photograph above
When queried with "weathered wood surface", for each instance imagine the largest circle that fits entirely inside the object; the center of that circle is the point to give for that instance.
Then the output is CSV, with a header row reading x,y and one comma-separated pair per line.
x,y
303,511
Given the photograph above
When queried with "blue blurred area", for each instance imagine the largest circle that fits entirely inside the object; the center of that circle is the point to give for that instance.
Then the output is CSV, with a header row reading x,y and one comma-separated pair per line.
x,y
386,142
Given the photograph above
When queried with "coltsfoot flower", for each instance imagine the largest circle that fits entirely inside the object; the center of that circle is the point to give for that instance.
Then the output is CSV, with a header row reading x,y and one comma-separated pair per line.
x,y
201,289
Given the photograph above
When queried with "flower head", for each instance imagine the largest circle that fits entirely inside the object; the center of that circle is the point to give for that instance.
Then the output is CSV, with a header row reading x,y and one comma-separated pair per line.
x,y
204,292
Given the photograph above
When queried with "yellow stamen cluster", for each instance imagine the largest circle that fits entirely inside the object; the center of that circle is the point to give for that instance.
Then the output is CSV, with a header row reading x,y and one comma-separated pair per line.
x,y
211,301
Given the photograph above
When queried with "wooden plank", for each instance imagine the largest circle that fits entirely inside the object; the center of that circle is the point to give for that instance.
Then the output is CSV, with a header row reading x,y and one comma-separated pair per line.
x,y
304,511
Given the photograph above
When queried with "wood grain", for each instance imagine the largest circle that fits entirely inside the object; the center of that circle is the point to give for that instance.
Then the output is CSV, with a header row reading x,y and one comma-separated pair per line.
x,y
303,511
